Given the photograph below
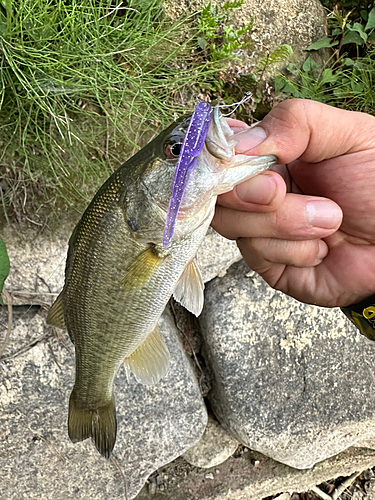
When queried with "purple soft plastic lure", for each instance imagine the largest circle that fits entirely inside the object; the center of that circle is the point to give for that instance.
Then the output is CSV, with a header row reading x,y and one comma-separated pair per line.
x,y
187,160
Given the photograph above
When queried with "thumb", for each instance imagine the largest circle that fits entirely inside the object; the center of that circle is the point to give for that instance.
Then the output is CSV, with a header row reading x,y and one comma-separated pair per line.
x,y
308,130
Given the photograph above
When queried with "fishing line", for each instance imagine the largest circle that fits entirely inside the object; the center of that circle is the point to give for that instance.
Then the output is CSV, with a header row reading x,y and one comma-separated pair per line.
x,y
236,105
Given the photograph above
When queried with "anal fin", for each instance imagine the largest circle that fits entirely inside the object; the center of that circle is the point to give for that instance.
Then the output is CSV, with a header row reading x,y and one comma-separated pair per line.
x,y
189,289
141,270
150,361
56,314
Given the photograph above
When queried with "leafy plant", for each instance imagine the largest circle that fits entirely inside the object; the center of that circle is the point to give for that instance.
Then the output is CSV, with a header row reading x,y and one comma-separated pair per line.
x,y
347,79
312,83
348,84
216,35
280,54
345,31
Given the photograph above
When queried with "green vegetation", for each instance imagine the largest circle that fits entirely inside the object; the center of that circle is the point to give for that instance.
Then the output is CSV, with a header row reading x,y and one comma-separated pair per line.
x,y
220,41
82,85
4,267
217,37
347,80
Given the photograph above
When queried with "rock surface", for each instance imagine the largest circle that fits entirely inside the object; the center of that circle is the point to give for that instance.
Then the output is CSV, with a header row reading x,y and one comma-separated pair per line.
x,y
216,254
292,381
37,261
249,476
214,447
297,23
156,424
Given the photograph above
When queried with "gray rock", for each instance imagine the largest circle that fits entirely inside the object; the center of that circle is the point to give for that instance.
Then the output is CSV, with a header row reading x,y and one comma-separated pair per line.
x,y
216,254
214,447
297,23
292,381
37,261
155,423
252,476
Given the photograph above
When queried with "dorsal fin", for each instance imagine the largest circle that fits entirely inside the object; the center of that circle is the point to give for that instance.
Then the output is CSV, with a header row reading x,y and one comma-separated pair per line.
x,y
189,289
150,361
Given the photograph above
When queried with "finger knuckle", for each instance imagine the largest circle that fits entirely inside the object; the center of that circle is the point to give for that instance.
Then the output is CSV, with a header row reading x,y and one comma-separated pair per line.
x,y
306,254
290,114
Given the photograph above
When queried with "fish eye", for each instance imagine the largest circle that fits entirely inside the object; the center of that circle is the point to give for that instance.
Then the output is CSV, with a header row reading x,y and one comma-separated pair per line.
x,y
176,148
172,149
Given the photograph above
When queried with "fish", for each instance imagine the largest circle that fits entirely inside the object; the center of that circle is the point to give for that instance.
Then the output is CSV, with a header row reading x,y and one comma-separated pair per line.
x,y
121,269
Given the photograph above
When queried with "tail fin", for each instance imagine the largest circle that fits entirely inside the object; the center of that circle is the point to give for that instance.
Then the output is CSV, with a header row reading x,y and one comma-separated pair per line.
x,y
99,424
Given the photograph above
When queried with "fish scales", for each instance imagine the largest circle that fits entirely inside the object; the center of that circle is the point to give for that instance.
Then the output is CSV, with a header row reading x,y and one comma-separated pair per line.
x,y
119,277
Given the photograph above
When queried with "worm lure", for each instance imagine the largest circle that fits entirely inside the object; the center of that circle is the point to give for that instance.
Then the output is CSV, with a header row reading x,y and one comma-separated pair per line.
x,y
187,161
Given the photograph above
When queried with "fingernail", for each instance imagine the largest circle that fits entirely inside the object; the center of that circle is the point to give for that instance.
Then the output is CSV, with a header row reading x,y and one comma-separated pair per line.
x,y
260,189
249,138
324,214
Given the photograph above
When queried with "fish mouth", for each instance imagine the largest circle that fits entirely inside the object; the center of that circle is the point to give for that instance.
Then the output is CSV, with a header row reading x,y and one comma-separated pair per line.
x,y
219,142
219,152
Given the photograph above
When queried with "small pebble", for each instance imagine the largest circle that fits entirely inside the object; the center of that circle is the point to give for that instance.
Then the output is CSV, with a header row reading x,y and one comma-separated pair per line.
x,y
152,488
209,475
162,487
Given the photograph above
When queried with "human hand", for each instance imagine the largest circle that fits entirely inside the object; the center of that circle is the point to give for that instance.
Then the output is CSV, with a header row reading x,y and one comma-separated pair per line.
x,y
317,241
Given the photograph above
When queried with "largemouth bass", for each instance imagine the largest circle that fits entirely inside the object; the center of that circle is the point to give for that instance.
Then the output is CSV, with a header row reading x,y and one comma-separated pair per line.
x,y
119,276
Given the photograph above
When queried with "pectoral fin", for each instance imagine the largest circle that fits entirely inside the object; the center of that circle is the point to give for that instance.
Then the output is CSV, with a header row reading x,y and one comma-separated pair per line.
x,y
150,361
189,289
56,314
141,270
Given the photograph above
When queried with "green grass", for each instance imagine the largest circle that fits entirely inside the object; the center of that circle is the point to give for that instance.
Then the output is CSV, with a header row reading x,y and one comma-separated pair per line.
x,y
81,87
